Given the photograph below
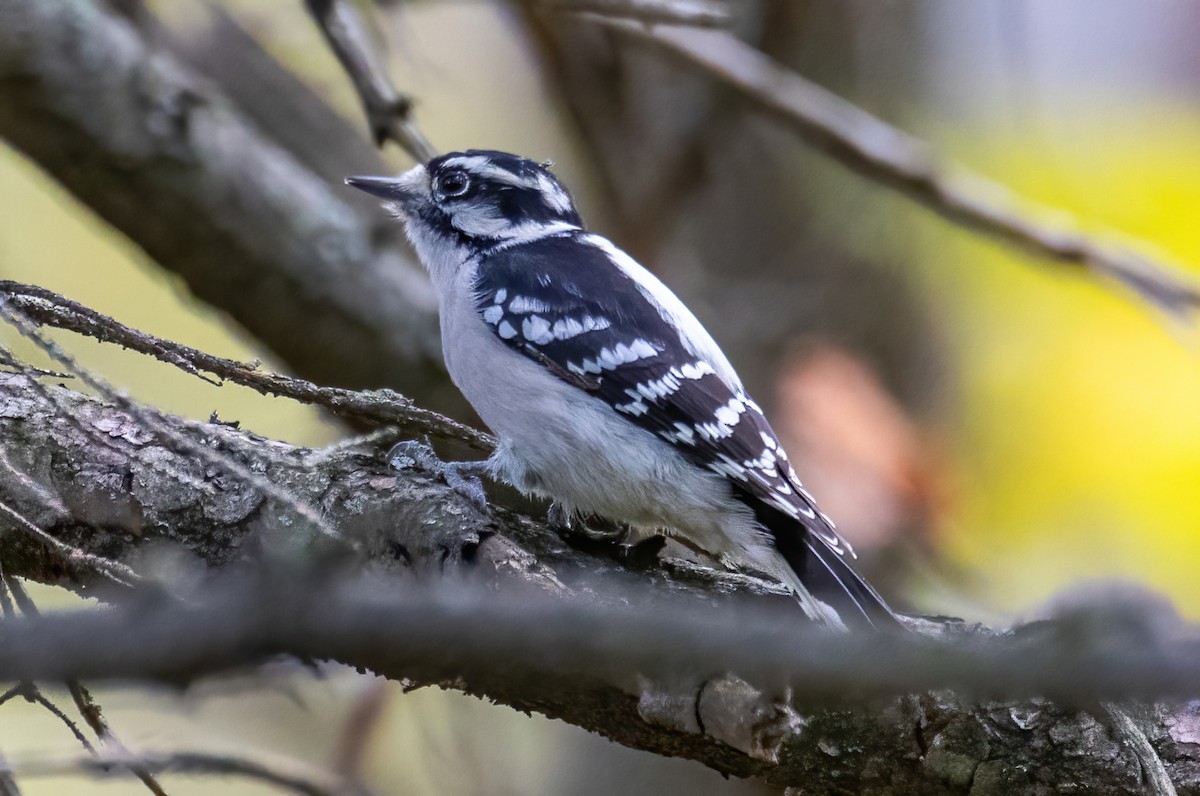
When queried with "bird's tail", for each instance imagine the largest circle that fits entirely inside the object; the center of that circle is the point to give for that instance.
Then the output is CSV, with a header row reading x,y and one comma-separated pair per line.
x,y
831,579
821,574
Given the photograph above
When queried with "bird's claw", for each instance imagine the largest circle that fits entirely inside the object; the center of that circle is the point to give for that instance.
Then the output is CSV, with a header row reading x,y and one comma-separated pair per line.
x,y
465,478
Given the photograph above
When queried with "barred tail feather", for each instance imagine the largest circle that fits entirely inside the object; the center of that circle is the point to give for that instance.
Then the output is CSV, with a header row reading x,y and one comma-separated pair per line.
x,y
830,579
820,575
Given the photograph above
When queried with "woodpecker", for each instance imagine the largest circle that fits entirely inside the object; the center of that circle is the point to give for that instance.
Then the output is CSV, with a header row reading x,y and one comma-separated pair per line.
x,y
607,395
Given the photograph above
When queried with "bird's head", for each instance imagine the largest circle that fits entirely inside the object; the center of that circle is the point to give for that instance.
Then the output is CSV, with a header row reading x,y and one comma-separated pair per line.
x,y
478,199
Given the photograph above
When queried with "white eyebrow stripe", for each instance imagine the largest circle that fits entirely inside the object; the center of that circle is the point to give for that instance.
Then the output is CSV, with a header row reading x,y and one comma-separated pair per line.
x,y
545,185
475,163
490,171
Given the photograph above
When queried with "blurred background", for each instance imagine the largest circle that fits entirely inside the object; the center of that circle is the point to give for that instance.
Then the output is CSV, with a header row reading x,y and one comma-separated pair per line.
x,y
988,429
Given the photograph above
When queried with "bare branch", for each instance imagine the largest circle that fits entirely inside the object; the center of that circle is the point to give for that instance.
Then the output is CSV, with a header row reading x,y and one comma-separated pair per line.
x,y
389,113
115,571
378,407
1156,774
87,706
29,691
158,152
643,657
149,420
893,158
90,710
696,13
8,784
524,649
290,775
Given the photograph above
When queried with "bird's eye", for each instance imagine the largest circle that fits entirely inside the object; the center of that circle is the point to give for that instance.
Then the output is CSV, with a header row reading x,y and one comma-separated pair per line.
x,y
454,183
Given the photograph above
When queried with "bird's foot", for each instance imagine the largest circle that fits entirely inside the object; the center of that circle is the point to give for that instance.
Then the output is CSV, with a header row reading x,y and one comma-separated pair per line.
x,y
465,478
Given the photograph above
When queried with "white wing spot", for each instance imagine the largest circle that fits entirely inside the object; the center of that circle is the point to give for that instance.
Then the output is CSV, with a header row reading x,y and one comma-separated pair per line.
x,y
588,366
524,304
731,413
714,431
622,354
634,408
695,338
566,328
696,370
685,434
642,349
536,329
506,330
501,295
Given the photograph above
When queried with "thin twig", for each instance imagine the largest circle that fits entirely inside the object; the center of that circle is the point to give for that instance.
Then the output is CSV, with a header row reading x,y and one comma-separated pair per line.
x,y
10,589
90,710
389,113
695,13
8,783
284,773
55,401
115,571
152,421
87,706
900,161
41,494
6,604
28,690
361,725
378,407
39,698
1153,769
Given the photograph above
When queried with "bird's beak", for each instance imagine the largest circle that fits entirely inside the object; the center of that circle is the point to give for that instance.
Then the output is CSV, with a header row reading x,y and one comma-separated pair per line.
x,y
383,187
409,190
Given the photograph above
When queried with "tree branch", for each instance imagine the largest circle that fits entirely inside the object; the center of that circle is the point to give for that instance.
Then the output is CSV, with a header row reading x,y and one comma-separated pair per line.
x,y
899,161
159,153
389,113
87,706
637,656
290,775
377,407
697,13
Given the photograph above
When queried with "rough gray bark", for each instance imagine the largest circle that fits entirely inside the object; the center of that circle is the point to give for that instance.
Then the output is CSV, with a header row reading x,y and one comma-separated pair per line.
x,y
160,154
109,487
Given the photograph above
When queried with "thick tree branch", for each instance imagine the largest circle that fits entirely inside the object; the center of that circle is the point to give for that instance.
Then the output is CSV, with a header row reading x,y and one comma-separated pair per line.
x,y
897,160
377,407
160,154
559,630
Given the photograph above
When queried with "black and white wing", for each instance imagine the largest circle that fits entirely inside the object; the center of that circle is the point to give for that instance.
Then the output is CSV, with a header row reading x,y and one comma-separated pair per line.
x,y
598,320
